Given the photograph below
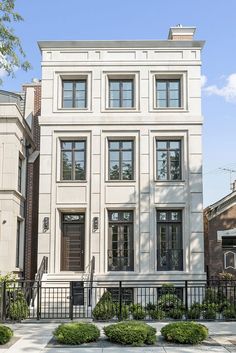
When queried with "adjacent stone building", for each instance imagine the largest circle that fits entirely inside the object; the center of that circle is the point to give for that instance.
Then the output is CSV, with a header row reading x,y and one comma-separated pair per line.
x,y
19,180
121,159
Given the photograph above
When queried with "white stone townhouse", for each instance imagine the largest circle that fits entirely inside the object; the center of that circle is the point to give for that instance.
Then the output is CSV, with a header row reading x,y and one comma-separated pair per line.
x,y
121,159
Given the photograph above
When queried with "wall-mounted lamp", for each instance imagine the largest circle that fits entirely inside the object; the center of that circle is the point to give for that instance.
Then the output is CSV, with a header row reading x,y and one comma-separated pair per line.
x,y
45,224
95,223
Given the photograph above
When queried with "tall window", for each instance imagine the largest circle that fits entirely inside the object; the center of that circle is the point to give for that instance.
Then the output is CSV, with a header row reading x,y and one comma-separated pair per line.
x,y
120,241
75,94
20,175
169,241
73,160
121,93
168,155
18,243
121,166
168,94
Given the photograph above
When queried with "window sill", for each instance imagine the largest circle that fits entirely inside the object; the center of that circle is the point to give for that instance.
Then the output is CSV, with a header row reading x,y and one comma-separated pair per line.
x,y
120,110
120,181
181,181
71,181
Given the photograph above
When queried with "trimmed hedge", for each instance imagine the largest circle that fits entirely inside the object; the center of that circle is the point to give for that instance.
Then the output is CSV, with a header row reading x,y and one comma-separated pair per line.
x,y
131,333
76,333
185,332
5,334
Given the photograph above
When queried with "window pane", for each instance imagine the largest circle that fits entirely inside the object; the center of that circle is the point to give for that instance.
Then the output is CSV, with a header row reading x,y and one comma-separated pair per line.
x,y
174,95
162,170
80,95
162,216
127,171
115,95
114,171
80,104
68,95
174,85
79,170
114,103
114,156
161,95
174,144
174,103
67,104
115,85
127,86
114,217
127,156
80,145
161,103
114,145
68,86
127,145
127,103
162,145
81,86
66,145
127,95
161,85
162,156
67,165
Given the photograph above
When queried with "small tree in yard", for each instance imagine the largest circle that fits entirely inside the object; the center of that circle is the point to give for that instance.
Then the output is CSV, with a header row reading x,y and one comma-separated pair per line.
x,y
12,55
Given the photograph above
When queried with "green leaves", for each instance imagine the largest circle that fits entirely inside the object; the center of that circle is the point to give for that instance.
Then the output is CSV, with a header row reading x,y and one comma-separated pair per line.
x,y
11,52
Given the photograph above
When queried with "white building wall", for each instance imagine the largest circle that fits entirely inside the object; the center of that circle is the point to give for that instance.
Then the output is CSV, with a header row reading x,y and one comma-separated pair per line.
x,y
144,123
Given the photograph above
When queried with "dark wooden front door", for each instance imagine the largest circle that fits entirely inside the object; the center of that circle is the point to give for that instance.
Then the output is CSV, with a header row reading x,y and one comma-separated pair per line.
x,y
72,242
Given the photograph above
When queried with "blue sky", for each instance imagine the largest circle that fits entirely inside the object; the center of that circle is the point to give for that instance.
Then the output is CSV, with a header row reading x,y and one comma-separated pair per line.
x,y
151,19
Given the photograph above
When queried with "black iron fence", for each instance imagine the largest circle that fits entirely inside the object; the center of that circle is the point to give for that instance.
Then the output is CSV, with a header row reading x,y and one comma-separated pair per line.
x,y
118,300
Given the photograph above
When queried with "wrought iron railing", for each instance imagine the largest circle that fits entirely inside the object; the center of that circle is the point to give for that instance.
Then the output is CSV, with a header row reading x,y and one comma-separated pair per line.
x,y
170,260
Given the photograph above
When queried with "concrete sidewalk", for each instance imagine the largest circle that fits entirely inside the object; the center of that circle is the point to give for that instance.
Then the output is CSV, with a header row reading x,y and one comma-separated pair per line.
x,y
35,337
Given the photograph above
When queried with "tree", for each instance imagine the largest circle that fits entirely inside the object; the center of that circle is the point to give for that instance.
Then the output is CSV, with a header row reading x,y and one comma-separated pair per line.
x,y
12,55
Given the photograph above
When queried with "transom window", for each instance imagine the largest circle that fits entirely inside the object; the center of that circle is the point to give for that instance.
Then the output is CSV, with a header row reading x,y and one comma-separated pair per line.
x,y
121,93
169,240
168,94
121,166
75,94
168,154
73,155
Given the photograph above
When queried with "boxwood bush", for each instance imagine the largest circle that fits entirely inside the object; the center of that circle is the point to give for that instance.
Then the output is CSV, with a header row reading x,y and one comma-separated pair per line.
x,y
229,313
185,332
131,333
76,333
157,314
18,308
105,308
5,334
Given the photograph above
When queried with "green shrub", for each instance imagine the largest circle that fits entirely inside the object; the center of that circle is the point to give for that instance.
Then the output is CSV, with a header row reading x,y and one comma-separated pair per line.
x,y
131,333
5,334
167,288
157,314
76,333
209,314
137,311
224,305
185,332
176,314
229,313
166,302
18,308
124,311
150,307
214,295
194,314
105,308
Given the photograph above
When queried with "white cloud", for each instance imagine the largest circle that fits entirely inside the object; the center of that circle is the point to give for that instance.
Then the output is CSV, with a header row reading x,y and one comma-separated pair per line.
x,y
228,91
203,80
3,72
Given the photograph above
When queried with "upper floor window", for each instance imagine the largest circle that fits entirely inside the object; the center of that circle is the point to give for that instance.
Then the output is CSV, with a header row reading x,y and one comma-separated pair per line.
x,y
20,175
73,155
121,166
168,160
168,93
121,93
74,94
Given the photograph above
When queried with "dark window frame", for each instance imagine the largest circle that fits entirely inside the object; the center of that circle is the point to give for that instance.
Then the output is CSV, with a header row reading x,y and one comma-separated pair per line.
x,y
168,150
121,93
120,150
73,150
18,236
167,91
20,170
73,98
121,222
166,223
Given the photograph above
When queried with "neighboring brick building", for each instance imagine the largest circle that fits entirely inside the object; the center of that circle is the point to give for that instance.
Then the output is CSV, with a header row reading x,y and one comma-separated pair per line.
x,y
220,235
19,180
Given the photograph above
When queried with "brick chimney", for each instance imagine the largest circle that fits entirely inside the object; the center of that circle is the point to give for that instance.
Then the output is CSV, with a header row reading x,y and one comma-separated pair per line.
x,y
181,33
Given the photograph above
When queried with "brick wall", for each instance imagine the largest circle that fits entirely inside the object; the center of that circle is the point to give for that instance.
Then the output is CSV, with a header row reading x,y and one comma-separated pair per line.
x,y
213,249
